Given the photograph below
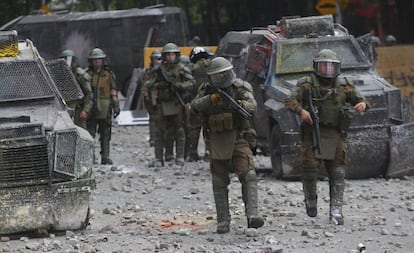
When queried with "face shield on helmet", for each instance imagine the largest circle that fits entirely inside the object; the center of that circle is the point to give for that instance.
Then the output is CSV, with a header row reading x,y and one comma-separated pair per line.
x,y
220,72
327,69
223,79
155,57
326,64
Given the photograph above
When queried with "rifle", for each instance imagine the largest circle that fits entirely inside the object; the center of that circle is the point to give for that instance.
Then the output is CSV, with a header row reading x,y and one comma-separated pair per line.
x,y
307,99
231,102
177,94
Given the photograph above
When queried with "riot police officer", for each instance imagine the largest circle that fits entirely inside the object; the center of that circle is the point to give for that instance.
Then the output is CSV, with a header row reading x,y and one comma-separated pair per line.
x,y
327,94
200,58
230,151
149,93
105,101
83,107
172,81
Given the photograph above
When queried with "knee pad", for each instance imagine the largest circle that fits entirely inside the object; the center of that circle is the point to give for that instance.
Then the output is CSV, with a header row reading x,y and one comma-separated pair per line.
x,y
250,177
337,173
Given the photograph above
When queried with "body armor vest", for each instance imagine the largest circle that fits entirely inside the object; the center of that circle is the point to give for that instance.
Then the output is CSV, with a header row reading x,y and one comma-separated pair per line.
x,y
329,104
101,87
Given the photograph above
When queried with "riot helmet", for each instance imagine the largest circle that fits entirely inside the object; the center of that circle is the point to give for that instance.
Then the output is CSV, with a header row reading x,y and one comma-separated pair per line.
x,y
155,57
326,64
220,72
170,48
96,53
184,59
198,53
68,55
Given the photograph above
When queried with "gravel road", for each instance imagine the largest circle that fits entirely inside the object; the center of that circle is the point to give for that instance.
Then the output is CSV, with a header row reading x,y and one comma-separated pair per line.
x,y
171,209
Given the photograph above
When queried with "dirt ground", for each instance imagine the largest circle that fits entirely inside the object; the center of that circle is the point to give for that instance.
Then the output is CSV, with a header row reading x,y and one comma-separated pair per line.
x,y
136,208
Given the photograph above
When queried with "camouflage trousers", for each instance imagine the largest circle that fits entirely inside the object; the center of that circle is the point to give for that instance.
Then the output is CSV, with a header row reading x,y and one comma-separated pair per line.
x,y
192,136
307,156
104,129
241,162
169,130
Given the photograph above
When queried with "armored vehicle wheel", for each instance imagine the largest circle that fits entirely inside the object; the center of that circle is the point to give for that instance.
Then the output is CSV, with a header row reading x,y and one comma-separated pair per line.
x,y
275,152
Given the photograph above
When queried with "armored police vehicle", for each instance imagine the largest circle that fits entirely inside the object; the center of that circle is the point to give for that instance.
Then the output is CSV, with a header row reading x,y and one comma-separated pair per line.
x,y
45,160
272,59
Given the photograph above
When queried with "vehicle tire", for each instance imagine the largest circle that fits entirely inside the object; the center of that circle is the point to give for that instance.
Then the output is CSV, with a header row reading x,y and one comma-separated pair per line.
x,y
275,152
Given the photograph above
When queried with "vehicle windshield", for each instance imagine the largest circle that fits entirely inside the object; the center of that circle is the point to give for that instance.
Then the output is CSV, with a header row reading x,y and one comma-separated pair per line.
x,y
296,55
23,80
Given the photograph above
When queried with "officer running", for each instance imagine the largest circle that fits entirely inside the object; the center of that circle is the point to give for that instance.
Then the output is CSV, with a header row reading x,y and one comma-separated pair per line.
x,y
230,152
329,94
83,107
105,100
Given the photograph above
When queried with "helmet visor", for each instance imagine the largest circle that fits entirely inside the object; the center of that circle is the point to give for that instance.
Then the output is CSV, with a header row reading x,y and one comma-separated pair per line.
x,y
222,79
327,69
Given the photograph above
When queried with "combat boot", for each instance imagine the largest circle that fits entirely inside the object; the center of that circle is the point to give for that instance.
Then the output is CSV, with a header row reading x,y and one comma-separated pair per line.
x,y
180,146
221,199
106,160
193,157
156,163
250,198
336,194
309,183
179,162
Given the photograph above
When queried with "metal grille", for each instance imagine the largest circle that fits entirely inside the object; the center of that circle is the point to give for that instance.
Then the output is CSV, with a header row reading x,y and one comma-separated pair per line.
x,y
8,44
21,131
64,80
65,152
24,162
22,80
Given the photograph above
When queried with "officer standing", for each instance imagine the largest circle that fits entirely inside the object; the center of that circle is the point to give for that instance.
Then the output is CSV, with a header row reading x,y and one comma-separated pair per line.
x,y
329,94
200,58
147,92
172,81
230,152
83,107
105,100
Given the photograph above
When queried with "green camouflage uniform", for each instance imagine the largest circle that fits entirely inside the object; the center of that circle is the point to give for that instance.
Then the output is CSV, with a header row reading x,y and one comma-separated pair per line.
x,y
229,150
102,84
193,120
86,104
150,104
169,113
334,120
